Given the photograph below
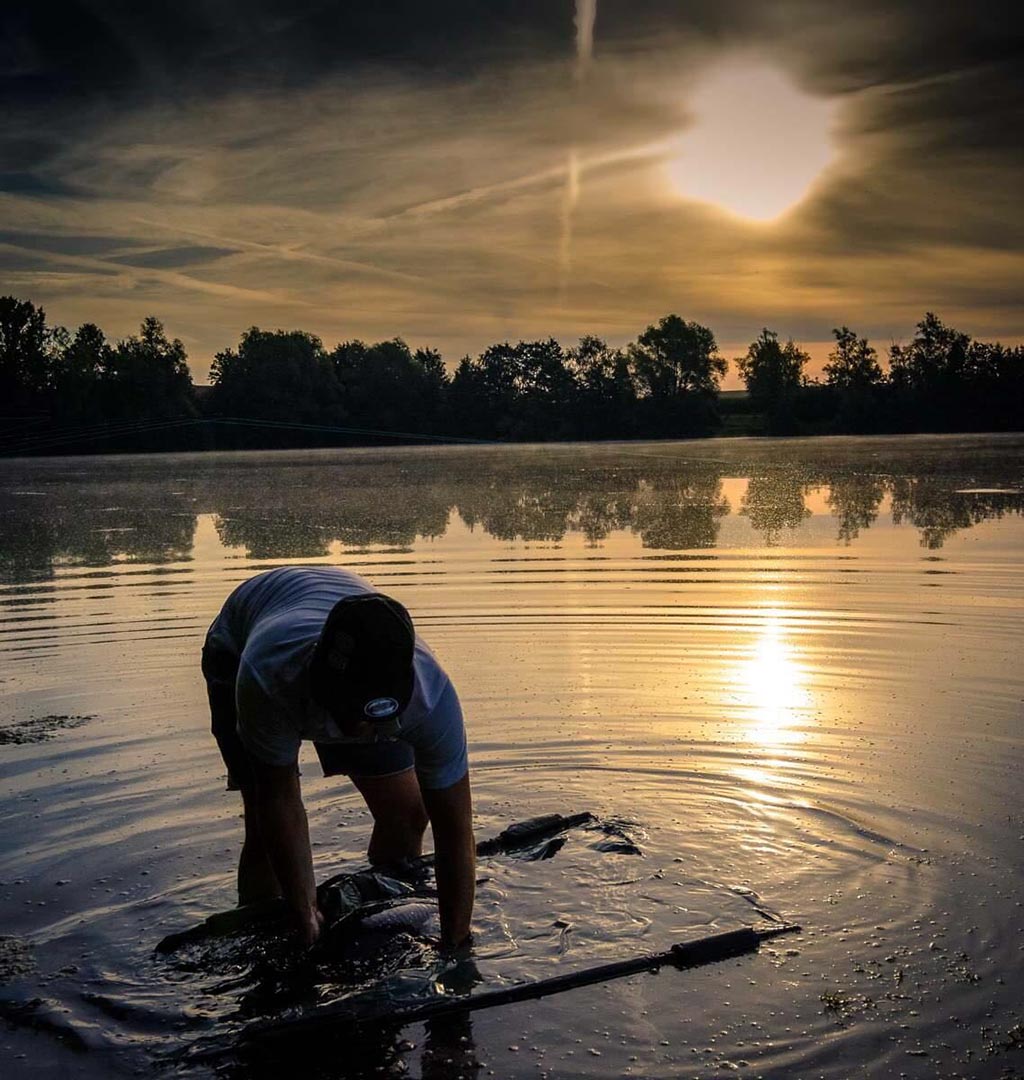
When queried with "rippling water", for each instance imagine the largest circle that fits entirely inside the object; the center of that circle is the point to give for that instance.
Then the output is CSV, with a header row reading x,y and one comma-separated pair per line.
x,y
790,669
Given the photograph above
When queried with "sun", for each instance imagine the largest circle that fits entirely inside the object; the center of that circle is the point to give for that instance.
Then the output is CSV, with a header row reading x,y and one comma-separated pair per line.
x,y
757,143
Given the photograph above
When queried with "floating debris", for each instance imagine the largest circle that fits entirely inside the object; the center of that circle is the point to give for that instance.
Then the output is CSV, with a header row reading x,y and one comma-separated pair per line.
x,y
39,729
16,958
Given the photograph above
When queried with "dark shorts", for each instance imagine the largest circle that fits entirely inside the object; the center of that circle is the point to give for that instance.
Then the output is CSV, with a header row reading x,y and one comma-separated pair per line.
x,y
336,759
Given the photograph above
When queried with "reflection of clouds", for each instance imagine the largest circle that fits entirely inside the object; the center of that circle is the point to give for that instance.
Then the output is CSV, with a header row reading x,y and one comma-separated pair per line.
x,y
771,686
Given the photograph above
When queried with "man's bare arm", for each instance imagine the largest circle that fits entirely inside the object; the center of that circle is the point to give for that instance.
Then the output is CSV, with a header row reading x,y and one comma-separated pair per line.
x,y
285,832
451,816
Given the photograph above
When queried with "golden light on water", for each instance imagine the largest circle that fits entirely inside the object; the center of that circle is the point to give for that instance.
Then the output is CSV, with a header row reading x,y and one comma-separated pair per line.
x,y
772,688
757,143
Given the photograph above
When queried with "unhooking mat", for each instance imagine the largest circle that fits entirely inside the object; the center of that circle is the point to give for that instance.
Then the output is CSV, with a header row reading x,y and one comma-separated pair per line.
x,y
379,939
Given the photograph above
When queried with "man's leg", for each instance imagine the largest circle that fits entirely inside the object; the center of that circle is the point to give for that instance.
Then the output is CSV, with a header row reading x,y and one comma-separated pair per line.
x,y
399,816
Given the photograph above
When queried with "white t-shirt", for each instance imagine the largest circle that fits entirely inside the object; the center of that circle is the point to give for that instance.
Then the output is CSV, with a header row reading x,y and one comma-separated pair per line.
x,y
271,623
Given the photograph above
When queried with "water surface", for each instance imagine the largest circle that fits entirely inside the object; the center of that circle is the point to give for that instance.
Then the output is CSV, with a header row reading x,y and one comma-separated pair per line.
x,y
790,670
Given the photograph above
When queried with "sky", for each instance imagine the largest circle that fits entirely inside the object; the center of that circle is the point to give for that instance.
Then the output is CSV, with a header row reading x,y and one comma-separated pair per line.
x,y
461,172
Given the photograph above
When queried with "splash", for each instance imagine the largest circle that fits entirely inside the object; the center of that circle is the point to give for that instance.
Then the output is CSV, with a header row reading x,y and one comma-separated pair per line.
x,y
586,16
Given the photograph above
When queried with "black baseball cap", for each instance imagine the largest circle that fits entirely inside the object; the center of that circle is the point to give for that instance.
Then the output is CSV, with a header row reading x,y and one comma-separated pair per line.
x,y
362,666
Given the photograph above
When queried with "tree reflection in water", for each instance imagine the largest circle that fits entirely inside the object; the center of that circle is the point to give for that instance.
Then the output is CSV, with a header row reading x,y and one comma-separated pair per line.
x,y
56,512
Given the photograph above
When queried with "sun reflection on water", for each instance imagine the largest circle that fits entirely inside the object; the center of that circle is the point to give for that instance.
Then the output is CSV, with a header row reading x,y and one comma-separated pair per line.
x,y
772,688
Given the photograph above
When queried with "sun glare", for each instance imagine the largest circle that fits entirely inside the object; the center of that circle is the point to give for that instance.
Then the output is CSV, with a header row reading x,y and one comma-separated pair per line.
x,y
772,684
757,143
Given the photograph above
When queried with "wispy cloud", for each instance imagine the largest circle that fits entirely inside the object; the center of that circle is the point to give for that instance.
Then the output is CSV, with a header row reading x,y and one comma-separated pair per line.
x,y
426,190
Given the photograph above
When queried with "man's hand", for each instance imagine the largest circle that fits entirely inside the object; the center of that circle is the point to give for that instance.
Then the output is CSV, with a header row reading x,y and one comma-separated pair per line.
x,y
311,926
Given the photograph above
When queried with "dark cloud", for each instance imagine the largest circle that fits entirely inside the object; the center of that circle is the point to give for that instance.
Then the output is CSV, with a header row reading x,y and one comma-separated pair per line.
x,y
66,243
78,46
960,111
29,183
16,262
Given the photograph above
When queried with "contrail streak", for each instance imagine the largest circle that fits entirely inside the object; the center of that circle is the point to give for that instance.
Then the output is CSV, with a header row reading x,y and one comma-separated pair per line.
x,y
569,199
586,16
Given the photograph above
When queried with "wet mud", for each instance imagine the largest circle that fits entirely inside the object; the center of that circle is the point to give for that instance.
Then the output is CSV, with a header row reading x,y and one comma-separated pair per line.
x,y
16,958
39,729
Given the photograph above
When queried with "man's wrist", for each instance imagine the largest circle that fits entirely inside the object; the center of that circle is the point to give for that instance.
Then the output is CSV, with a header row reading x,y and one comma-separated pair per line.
x,y
310,923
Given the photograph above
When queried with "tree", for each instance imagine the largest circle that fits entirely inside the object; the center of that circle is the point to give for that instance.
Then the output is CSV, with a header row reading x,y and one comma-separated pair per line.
x,y
855,377
544,387
276,375
934,359
468,401
995,375
605,396
79,371
773,375
930,376
772,372
521,391
25,355
387,387
147,377
434,382
853,363
677,357
676,368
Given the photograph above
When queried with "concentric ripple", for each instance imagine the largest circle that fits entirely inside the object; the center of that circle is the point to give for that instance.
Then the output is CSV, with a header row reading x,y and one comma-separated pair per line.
x,y
788,672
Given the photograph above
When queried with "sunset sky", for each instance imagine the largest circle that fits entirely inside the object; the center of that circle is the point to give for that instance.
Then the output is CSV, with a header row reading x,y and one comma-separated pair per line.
x,y
460,172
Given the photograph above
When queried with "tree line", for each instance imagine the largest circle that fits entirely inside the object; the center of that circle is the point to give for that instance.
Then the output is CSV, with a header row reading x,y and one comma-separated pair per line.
x,y
63,392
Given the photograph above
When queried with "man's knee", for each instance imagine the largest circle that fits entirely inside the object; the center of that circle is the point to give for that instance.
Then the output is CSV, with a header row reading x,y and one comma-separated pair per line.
x,y
397,834
409,819
399,816
416,820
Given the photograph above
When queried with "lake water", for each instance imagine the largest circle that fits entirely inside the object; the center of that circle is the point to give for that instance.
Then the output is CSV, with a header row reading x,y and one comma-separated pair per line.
x,y
789,671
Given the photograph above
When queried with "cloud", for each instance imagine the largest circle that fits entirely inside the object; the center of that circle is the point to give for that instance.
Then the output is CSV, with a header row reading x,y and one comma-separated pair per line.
x,y
173,257
27,183
362,170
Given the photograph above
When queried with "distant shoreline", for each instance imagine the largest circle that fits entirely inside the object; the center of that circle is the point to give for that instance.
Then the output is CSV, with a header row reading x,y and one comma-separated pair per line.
x,y
450,441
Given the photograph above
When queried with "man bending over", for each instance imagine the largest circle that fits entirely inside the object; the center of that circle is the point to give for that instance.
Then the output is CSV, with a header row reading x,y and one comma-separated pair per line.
x,y
315,653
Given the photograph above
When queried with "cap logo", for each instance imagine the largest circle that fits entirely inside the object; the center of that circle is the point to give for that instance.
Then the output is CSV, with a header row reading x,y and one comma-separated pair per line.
x,y
380,708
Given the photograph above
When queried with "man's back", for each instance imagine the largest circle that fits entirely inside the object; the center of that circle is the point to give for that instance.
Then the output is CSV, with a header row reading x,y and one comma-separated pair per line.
x,y
296,596
269,626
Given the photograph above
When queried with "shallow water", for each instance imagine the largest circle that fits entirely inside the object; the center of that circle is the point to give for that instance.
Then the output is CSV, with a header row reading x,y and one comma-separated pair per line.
x,y
792,669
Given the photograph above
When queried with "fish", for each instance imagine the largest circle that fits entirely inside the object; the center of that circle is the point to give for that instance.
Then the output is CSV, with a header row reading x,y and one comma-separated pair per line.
x,y
342,897
399,918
